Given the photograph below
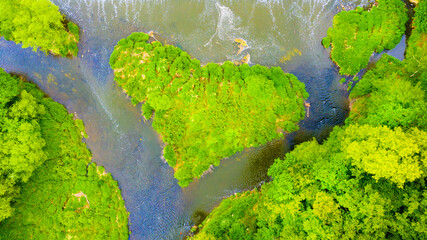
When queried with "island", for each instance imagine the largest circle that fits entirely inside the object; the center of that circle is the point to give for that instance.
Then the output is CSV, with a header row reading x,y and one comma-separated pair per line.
x,y
205,113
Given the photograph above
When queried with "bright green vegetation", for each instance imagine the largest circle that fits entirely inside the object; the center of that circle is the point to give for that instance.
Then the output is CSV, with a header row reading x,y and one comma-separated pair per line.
x,y
393,93
240,221
416,57
387,96
47,188
206,113
363,182
38,24
21,141
356,34
366,181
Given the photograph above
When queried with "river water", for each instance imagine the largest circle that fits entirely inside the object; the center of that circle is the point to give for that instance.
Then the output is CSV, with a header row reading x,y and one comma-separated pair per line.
x,y
283,32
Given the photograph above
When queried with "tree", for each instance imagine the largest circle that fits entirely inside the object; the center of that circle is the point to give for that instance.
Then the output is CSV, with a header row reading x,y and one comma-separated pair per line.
x,y
38,24
366,181
385,153
356,34
205,114
349,187
21,142
386,95
45,170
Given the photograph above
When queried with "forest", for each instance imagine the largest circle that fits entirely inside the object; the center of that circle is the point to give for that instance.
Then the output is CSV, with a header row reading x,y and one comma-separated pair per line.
x,y
366,181
356,34
38,24
49,186
205,113
46,170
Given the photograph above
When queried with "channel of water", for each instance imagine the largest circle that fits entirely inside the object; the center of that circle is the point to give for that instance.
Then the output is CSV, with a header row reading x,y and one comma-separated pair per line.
x,y
129,148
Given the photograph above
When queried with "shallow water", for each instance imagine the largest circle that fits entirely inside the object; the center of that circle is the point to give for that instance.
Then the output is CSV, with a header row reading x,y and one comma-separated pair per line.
x,y
129,148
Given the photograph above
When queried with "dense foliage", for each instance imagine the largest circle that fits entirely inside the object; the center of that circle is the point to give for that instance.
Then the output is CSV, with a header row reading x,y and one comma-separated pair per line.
x,y
416,57
38,24
47,188
356,34
241,213
387,96
205,113
366,181
21,141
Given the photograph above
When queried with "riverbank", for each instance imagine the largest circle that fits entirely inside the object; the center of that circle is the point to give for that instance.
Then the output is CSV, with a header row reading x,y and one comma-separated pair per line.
x,y
378,155
43,145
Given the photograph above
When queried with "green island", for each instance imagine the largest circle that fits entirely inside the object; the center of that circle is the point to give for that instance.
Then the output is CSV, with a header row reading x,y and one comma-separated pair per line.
x,y
356,34
49,189
205,113
366,181
40,25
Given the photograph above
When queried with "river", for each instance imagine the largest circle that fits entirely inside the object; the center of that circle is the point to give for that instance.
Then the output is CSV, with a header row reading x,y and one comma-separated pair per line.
x,y
282,32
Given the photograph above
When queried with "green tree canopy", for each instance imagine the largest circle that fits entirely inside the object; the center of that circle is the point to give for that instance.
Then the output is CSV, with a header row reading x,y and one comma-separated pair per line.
x,y
48,190
386,95
415,55
366,181
359,184
356,34
38,24
21,141
205,113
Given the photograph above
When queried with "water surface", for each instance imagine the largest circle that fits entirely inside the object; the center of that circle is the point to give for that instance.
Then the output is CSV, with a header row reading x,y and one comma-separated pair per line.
x,y
128,147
